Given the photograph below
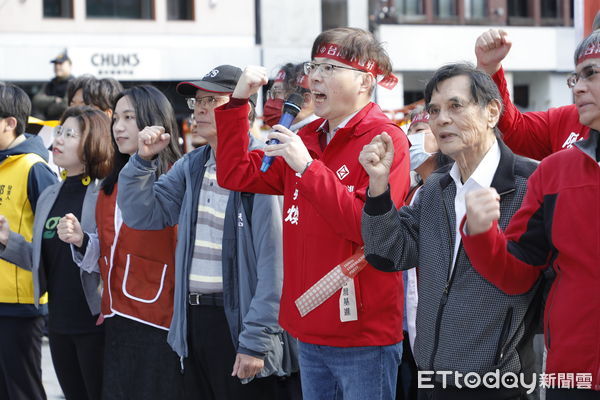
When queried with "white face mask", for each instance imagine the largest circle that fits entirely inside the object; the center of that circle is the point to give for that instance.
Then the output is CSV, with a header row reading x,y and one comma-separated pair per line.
x,y
417,152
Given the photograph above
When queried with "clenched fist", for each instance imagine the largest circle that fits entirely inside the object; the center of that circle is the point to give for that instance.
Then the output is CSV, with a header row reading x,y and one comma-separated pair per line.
x,y
483,208
251,80
377,158
151,141
69,230
491,48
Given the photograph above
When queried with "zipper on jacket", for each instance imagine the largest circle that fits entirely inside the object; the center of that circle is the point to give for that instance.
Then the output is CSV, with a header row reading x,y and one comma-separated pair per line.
x,y
445,294
438,322
503,335
509,313
444,299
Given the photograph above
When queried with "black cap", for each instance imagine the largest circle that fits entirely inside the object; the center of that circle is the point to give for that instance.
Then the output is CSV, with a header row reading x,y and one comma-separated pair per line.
x,y
221,79
61,58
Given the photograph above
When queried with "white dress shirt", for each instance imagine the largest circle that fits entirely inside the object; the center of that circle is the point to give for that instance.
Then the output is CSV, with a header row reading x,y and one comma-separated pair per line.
x,y
479,179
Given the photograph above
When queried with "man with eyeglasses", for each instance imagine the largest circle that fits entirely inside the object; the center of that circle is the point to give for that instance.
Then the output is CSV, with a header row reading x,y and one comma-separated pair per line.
x,y
289,79
24,175
535,134
350,340
558,227
206,100
228,262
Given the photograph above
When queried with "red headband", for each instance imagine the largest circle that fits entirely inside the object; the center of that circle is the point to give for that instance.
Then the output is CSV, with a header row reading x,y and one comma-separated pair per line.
x,y
302,81
280,77
420,117
333,51
592,51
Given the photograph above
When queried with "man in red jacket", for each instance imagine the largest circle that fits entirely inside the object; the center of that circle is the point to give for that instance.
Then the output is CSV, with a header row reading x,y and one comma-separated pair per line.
x,y
558,224
350,343
535,134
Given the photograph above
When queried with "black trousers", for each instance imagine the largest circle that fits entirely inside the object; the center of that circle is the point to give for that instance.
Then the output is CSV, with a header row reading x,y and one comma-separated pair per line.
x,y
211,356
406,387
572,394
78,363
21,358
139,363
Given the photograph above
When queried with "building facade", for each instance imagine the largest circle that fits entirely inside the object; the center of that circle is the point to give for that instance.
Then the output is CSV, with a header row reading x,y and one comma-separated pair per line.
x,y
166,41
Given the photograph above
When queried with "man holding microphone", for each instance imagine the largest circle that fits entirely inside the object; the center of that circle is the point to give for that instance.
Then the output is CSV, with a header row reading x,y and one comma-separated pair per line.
x,y
350,344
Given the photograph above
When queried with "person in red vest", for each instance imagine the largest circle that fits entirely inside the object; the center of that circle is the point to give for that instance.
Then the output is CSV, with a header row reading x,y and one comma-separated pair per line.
x,y
137,267
228,263
558,225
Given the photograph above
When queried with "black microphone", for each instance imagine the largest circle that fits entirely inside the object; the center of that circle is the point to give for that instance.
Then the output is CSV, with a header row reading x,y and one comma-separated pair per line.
x,y
291,108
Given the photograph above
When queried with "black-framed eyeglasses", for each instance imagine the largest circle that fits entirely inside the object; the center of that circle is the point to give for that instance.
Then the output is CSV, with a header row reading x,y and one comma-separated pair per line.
x,y
325,69
586,74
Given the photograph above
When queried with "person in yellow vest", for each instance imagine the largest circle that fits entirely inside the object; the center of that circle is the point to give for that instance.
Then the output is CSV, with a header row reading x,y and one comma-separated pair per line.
x,y
24,174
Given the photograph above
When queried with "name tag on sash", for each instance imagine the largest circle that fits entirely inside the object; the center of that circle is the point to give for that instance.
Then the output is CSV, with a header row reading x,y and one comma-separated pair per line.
x,y
348,310
340,277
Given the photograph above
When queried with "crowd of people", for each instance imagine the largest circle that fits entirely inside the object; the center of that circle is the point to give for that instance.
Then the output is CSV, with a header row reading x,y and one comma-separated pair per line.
x,y
363,263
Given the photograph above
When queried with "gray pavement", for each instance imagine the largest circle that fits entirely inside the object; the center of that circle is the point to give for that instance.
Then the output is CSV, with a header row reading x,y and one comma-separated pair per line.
x,y
49,379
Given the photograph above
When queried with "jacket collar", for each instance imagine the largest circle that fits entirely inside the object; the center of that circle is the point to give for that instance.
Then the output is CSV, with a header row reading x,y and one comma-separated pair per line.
x,y
504,177
590,145
358,126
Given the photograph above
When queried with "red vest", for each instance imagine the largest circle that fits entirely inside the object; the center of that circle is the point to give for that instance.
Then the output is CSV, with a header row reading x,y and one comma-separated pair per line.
x,y
137,267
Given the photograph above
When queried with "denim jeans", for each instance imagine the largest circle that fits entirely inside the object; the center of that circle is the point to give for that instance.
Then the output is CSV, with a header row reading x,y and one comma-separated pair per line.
x,y
349,373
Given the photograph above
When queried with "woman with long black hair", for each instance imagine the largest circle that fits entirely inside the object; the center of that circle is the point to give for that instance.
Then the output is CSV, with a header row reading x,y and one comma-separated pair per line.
x,y
137,267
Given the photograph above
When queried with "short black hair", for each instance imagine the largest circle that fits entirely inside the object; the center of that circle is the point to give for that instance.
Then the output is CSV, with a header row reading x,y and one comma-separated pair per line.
x,y
14,102
77,83
100,93
105,93
483,88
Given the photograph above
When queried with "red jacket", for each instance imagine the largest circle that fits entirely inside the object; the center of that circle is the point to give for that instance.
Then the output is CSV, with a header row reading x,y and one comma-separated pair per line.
x,y
559,225
328,198
538,134
137,268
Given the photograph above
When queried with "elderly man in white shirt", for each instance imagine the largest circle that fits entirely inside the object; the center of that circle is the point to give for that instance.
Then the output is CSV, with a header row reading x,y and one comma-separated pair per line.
x,y
470,335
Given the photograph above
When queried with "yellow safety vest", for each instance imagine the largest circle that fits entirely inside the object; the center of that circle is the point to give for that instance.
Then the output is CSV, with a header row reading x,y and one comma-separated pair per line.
x,y
16,284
